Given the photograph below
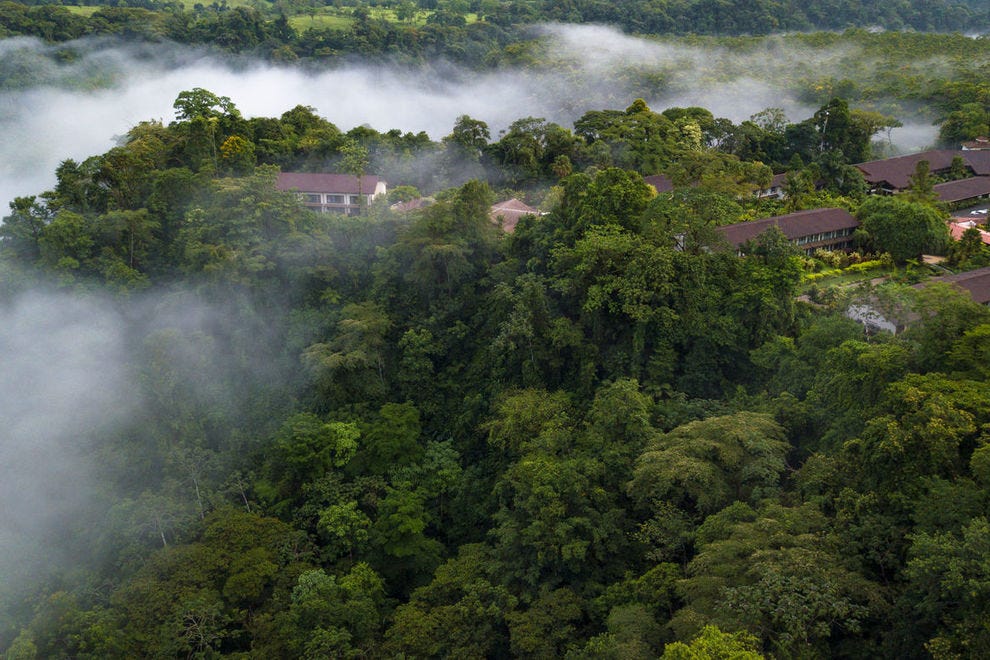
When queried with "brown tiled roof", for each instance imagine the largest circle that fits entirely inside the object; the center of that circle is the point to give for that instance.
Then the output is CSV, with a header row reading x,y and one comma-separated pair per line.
x,y
510,212
412,204
321,182
976,282
778,180
794,225
979,161
896,172
660,182
958,191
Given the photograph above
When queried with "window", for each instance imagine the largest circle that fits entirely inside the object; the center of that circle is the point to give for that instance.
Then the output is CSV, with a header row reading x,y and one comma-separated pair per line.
x,y
335,199
355,199
312,198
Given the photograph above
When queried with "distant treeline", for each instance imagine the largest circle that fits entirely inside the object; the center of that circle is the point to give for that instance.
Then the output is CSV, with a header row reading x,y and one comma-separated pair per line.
x,y
447,32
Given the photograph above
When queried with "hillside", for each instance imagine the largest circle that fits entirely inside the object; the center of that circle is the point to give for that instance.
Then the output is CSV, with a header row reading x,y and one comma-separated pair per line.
x,y
239,428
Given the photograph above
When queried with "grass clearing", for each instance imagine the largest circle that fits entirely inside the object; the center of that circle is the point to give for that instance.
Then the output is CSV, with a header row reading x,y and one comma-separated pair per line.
x,y
301,22
322,18
230,4
85,10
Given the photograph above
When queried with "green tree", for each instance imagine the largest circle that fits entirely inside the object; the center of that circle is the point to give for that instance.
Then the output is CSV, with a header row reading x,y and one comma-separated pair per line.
x,y
943,315
970,121
345,526
391,440
713,644
307,447
21,231
350,366
775,573
922,187
705,465
355,162
969,250
903,228
970,354
199,102
950,587
237,155
637,138
335,616
240,233
460,613
400,531
471,135
839,130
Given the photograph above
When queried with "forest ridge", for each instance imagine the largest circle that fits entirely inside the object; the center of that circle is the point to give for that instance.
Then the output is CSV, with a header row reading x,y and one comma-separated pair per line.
x,y
482,33
603,435
238,428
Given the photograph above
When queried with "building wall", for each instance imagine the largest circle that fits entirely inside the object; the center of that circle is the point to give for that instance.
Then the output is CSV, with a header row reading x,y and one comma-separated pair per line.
x,y
839,239
335,202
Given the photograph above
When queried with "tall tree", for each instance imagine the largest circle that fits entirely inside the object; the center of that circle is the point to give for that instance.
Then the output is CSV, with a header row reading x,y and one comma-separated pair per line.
x,y
903,228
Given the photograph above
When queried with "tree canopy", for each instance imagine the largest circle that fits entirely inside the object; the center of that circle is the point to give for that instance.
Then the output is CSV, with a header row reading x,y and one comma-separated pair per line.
x,y
604,434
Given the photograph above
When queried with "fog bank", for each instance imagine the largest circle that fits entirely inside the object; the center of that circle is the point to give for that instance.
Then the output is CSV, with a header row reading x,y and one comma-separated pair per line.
x,y
71,101
63,385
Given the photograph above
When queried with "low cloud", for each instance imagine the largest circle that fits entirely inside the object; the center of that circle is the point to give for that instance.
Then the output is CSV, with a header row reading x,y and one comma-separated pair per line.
x,y
72,101
914,136
89,384
63,385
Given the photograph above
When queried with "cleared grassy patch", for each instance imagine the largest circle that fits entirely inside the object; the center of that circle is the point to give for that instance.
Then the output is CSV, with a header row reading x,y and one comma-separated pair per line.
x,y
87,10
191,4
303,22
322,18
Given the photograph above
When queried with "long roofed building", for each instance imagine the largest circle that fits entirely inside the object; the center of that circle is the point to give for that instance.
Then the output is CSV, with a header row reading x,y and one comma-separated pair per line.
x,y
332,193
829,229
892,175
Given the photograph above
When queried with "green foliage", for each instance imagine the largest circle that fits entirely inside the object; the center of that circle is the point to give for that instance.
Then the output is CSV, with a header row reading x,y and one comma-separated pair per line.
x,y
604,435
331,615
713,644
460,613
949,585
306,448
777,574
703,466
903,228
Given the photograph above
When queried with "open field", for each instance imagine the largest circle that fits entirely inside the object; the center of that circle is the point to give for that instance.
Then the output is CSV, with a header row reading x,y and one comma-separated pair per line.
x,y
321,18
88,10
320,21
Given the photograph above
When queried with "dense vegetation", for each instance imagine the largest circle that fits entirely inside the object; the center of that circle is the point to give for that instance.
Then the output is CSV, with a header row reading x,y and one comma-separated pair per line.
x,y
604,435
481,33
238,25
916,78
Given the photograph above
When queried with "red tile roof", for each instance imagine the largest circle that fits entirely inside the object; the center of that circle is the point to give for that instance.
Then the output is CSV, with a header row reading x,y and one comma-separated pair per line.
x,y
957,229
321,182
794,225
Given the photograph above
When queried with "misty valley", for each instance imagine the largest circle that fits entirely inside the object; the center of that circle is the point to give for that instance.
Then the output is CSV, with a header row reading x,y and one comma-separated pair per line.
x,y
492,329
